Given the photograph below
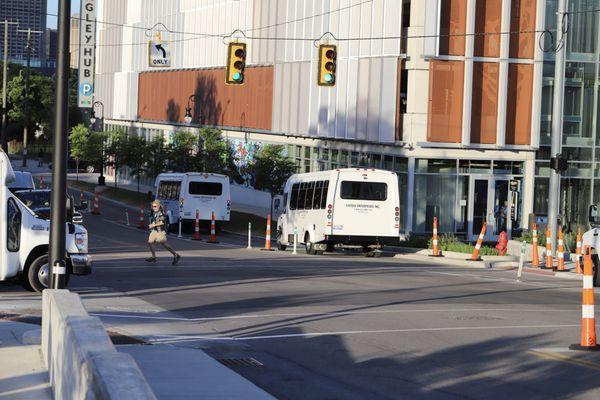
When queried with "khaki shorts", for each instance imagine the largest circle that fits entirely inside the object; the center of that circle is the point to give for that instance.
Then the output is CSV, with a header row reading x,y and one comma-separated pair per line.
x,y
157,237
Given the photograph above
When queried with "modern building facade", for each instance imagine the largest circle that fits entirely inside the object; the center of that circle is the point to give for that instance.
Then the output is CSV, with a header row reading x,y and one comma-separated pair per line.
x,y
29,14
453,95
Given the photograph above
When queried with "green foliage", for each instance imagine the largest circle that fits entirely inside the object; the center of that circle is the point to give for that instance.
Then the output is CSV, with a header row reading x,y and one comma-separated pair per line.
x,y
181,151
214,154
156,156
40,100
449,242
135,156
115,149
570,239
78,140
93,150
271,169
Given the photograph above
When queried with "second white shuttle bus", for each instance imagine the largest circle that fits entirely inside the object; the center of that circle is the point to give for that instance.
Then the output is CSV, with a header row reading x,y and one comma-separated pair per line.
x,y
345,206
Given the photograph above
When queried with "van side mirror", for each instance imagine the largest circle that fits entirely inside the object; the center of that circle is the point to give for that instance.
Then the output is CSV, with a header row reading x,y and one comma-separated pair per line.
x,y
593,216
276,204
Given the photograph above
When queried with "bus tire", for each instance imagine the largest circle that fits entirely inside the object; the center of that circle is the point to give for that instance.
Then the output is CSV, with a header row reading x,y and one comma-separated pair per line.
x,y
280,246
37,276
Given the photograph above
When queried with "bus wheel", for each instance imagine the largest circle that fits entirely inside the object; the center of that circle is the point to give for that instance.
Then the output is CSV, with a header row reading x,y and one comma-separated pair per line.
x,y
37,275
281,247
310,247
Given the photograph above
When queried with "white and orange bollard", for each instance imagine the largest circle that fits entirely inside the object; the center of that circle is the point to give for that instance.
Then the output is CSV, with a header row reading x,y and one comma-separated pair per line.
x,y
249,235
197,227
213,230
475,255
96,210
268,237
588,319
127,217
436,250
549,260
578,252
142,221
560,253
41,182
536,257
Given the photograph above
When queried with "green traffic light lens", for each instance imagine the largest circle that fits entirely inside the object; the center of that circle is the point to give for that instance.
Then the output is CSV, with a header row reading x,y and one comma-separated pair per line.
x,y
329,78
238,77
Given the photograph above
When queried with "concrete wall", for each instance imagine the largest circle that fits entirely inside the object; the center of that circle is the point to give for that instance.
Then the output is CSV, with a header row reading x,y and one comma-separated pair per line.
x,y
82,361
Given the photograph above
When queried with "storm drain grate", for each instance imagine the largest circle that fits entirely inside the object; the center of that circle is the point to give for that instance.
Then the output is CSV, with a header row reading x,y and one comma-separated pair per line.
x,y
240,362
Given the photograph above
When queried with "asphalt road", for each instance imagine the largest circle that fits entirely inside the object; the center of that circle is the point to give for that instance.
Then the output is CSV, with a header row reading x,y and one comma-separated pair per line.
x,y
341,326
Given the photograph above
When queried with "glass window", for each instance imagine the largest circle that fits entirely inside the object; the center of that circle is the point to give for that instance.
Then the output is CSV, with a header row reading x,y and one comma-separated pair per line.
x,y
310,192
302,195
317,196
324,195
388,163
374,191
436,166
206,188
168,190
435,195
13,237
294,196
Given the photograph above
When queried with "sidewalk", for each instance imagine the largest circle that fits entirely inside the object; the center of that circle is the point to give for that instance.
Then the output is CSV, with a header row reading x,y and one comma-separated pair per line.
x,y
23,375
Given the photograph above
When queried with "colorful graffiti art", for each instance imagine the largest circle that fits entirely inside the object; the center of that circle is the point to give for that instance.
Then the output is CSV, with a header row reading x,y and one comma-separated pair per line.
x,y
243,152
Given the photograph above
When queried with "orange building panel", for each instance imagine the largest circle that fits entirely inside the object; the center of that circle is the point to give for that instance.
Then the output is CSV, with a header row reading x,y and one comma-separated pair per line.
x,y
453,21
488,19
445,101
522,19
163,96
484,114
518,110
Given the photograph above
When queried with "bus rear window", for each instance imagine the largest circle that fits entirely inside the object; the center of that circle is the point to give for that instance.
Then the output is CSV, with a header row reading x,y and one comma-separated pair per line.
x,y
206,188
375,191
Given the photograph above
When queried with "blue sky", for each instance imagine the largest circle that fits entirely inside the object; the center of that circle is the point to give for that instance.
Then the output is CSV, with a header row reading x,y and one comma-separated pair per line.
x,y
53,9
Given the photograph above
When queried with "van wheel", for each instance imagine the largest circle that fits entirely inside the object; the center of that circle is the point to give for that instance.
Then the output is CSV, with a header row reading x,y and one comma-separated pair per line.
x,y
330,248
280,246
310,247
37,276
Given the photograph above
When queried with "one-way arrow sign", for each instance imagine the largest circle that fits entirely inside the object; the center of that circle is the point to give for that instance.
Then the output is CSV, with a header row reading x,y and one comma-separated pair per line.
x,y
159,54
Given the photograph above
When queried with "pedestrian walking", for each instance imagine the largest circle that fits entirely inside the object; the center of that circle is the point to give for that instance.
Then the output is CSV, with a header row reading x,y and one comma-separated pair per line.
x,y
158,233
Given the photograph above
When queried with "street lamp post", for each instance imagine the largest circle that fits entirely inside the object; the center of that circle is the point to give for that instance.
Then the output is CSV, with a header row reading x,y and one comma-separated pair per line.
x,y
93,119
188,110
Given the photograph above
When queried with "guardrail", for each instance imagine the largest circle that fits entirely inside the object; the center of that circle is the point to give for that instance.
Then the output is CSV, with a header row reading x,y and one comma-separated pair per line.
x,y
82,361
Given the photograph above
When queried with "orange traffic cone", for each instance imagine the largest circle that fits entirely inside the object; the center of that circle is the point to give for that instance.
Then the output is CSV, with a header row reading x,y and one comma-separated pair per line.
x,y
197,227
142,223
268,237
96,210
588,320
549,260
560,254
213,230
475,256
436,250
536,256
578,252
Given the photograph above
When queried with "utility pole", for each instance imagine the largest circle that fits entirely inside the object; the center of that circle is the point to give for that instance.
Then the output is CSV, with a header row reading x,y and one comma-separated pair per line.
x,y
558,163
58,267
4,88
26,101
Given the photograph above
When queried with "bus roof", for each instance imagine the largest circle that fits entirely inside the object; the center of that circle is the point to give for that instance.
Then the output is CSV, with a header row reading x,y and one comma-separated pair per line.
x,y
342,171
181,175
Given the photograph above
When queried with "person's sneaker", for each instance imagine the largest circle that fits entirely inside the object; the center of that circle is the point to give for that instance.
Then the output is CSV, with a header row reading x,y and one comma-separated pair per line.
x,y
151,259
176,259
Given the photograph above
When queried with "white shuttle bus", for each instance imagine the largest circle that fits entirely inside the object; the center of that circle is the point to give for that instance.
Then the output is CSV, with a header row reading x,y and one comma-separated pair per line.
x,y
345,206
183,193
25,236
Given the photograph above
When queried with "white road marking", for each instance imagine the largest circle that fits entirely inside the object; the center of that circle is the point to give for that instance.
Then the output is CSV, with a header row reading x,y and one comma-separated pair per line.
x,y
333,314
180,338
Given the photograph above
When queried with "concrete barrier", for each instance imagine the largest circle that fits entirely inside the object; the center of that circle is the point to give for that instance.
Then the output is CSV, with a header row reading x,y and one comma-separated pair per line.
x,y
82,361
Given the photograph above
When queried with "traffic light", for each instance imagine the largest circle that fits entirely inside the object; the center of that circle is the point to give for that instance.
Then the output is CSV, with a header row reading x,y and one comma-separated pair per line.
x,y
236,63
327,64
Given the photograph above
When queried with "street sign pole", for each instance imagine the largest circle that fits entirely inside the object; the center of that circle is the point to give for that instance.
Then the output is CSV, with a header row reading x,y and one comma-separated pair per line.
x,y
59,168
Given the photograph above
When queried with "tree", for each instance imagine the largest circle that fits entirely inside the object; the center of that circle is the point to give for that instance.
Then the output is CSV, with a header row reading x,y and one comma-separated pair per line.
x,y
115,150
156,156
214,154
271,170
78,140
93,151
40,101
135,156
182,149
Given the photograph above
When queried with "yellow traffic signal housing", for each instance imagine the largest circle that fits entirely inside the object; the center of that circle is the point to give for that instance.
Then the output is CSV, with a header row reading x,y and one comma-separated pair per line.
x,y
236,63
327,64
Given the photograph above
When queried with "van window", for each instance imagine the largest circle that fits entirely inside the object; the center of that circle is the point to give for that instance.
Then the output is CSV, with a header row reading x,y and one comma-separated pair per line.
x,y
324,195
206,188
302,195
317,196
294,196
310,192
375,191
168,190
13,237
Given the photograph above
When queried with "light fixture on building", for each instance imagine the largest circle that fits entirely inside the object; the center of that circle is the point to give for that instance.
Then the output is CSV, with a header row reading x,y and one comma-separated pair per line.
x,y
188,115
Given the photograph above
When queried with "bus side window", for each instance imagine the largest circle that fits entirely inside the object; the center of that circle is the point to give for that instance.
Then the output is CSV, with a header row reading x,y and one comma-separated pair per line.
x,y
302,195
317,197
285,202
308,203
324,194
294,196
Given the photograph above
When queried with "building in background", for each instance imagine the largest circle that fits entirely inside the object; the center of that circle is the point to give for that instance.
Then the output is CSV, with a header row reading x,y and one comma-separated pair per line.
x,y
463,119
51,46
29,14
74,41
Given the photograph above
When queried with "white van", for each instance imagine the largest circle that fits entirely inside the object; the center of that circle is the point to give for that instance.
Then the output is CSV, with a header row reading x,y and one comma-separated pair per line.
x,y
183,193
23,180
25,235
346,206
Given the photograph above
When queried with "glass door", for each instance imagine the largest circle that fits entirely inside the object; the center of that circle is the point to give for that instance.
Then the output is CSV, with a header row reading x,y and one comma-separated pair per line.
x,y
490,202
479,206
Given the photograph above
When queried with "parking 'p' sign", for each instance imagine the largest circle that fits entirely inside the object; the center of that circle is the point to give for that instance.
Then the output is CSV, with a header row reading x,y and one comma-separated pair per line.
x,y
159,54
